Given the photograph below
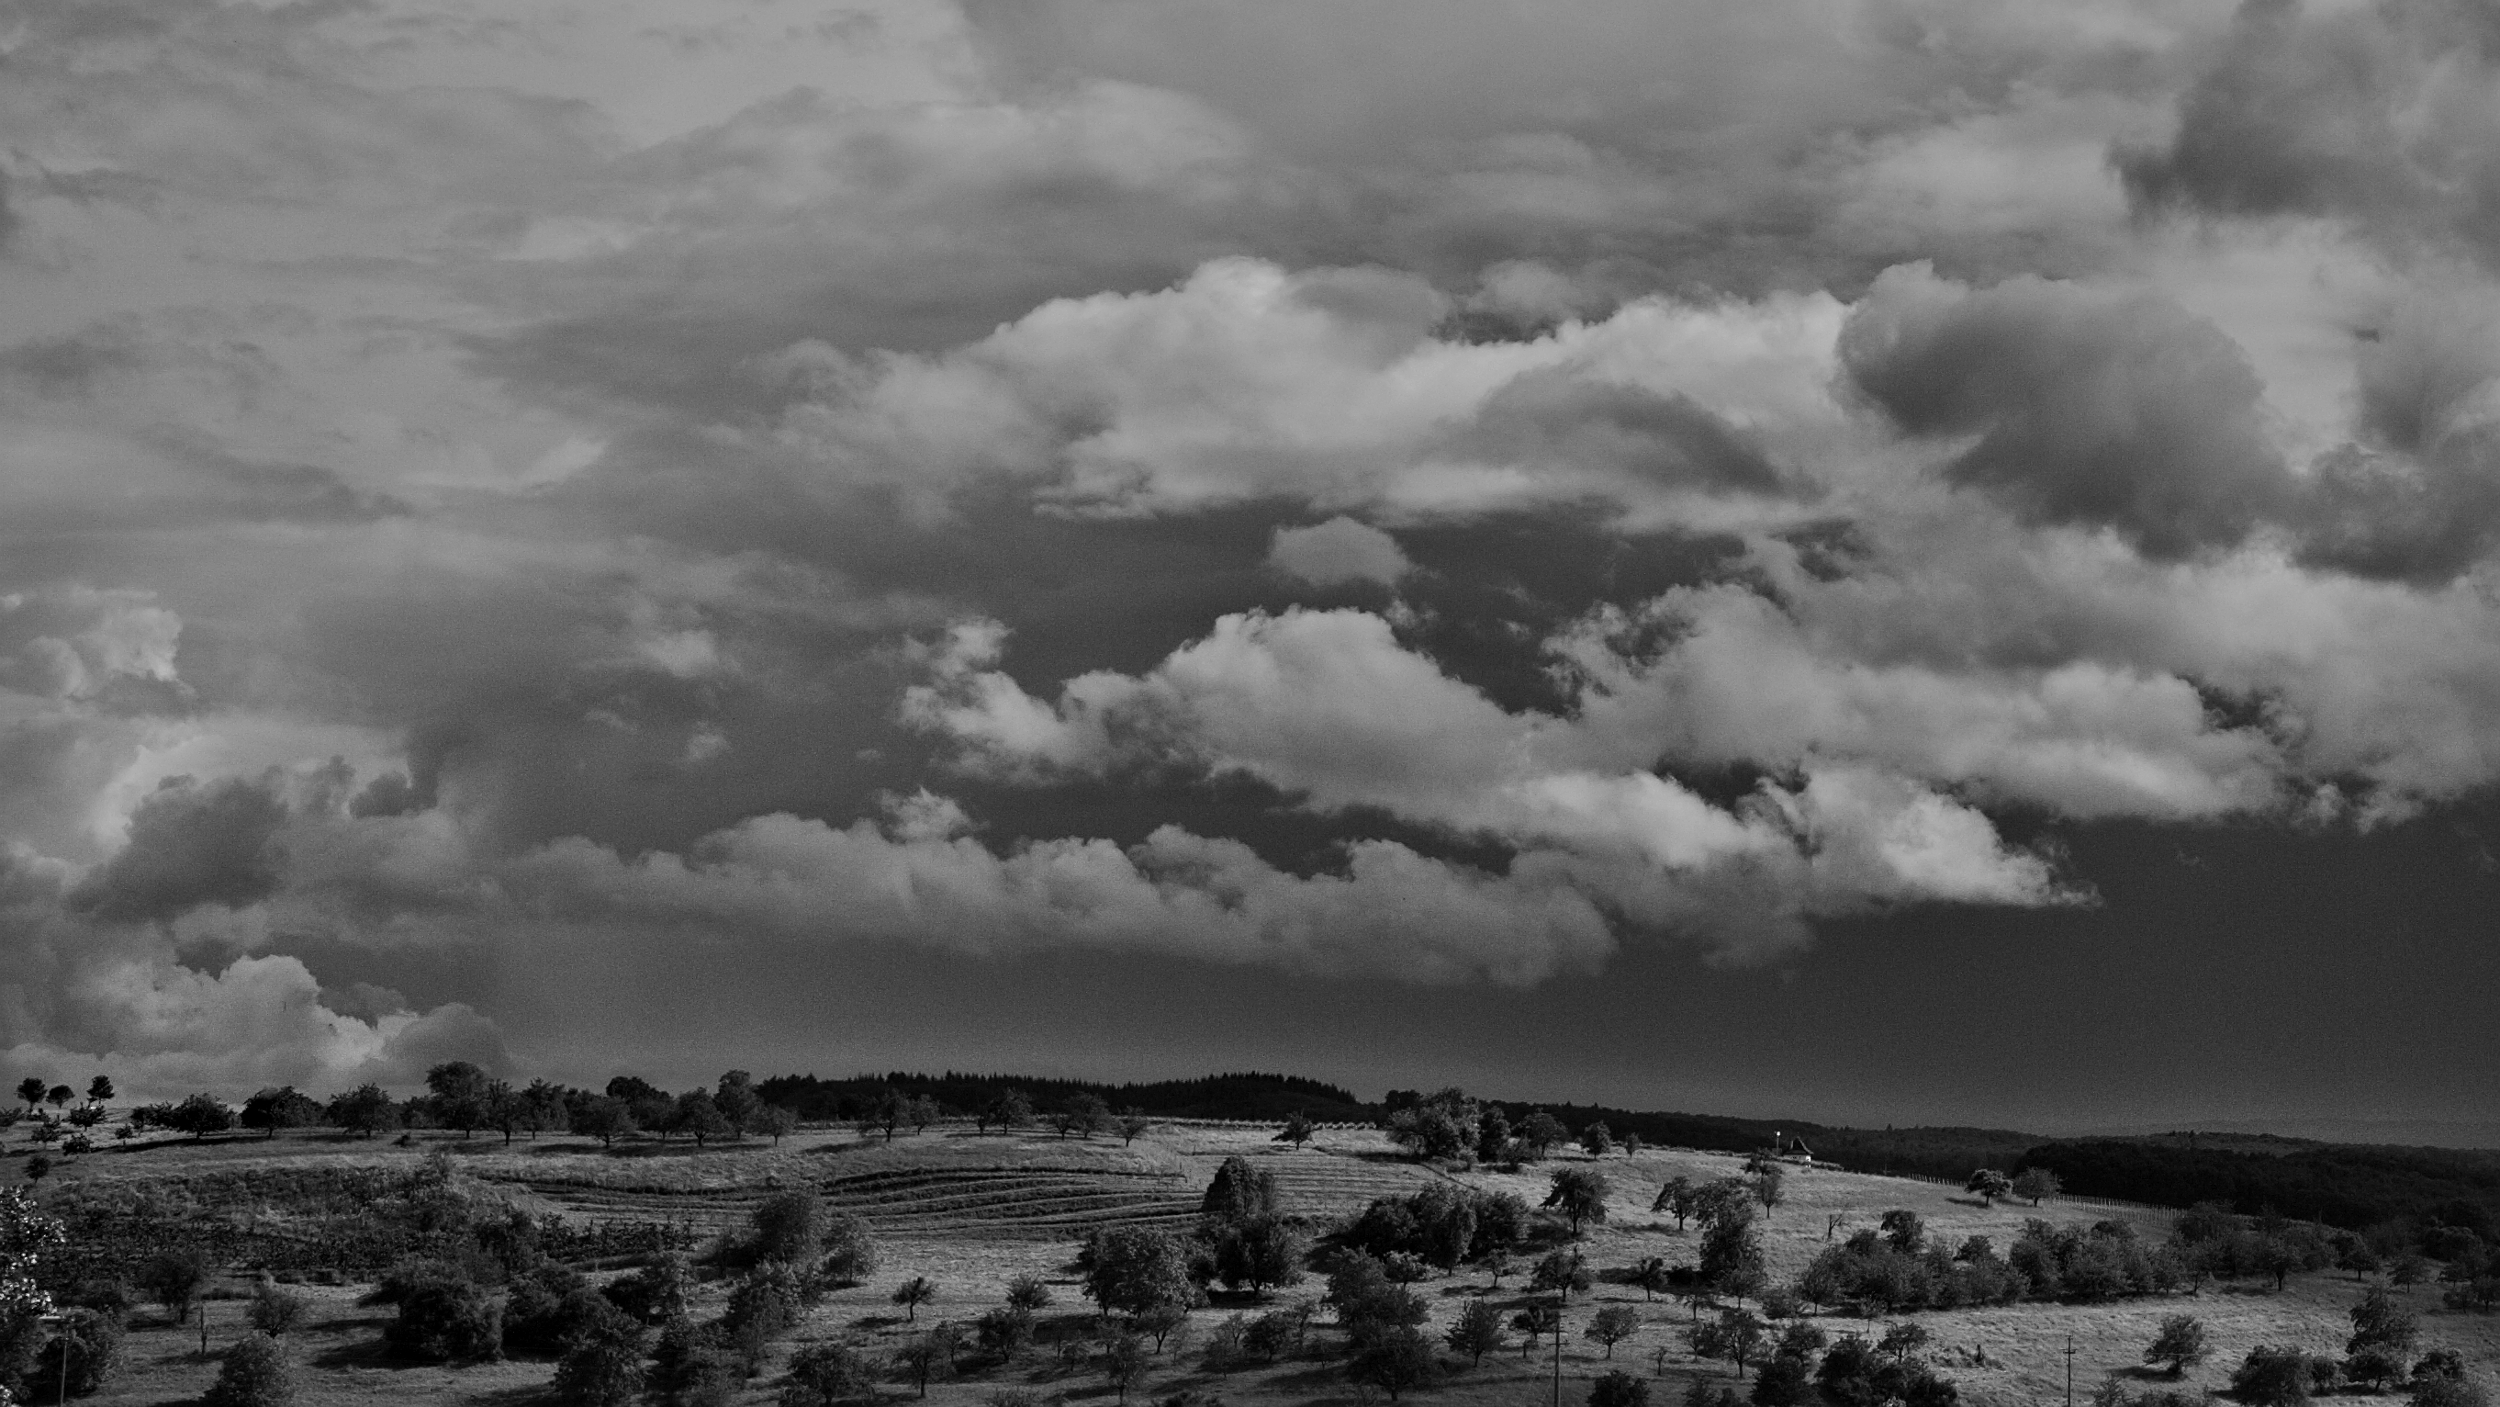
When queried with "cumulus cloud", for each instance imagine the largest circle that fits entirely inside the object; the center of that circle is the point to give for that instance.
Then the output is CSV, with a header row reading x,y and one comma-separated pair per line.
x,y
1336,552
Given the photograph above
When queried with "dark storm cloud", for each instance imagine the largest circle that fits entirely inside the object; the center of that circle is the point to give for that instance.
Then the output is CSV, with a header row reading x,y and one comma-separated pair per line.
x,y
2086,407
1550,417
2383,114
191,844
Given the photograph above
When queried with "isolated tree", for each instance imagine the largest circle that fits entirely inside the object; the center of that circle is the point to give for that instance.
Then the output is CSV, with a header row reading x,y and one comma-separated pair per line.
x,y
1617,1388
31,1090
1676,1197
1631,1145
1536,1318
1612,1325
2379,1322
1081,1114
100,1090
59,1096
2181,1343
1132,1123
1477,1331
1123,1362
1989,1184
1028,1293
912,1294
1132,1269
1597,1140
1298,1129
1767,1184
1580,1195
2034,1183
1541,1133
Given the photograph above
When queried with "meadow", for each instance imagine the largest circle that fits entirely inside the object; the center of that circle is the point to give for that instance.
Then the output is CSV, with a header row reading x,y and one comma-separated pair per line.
x,y
973,1211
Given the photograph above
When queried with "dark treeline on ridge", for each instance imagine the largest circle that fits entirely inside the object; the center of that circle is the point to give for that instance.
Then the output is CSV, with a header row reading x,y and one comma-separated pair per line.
x,y
2353,1187
1244,1095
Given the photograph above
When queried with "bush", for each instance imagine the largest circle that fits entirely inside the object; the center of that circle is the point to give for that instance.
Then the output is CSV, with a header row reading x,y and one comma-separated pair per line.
x,y
91,1341
446,1319
545,1307
274,1311
2271,1377
1395,1362
653,1295
1619,1389
789,1226
762,1306
692,1367
602,1363
173,1278
254,1373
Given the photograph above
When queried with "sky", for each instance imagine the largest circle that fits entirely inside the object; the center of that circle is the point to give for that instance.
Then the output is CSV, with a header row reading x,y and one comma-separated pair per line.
x,y
1868,560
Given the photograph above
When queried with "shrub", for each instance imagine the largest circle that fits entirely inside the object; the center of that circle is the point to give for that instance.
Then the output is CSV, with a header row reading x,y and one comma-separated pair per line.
x,y
1395,1362
1007,1331
692,1367
1619,1389
91,1341
654,1294
789,1226
446,1319
544,1308
274,1311
254,1373
2271,1377
762,1306
173,1278
602,1363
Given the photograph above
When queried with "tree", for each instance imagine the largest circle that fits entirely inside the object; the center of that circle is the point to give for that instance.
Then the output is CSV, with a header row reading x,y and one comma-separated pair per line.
x,y
100,1090
1612,1325
1400,1361
273,1311
1443,1125
1238,1192
1028,1293
1631,1145
1564,1272
2181,1343
1902,1342
1535,1318
920,1111
2034,1183
1298,1129
1597,1140
736,1099
697,1117
1580,1195
1652,1275
1131,1269
174,1279
201,1115
1904,1229
1123,1362
366,1110
253,1373
1261,1252
1619,1389
2272,1377
1009,1109
1492,1135
602,1362
31,1090
273,1109
605,1118
912,1294
834,1372
1081,1115
1477,1331
772,1121
1677,1196
1767,1182
1541,1133
457,1095
59,1096
850,1253
1132,1123
1735,1335
1989,1184
2378,1321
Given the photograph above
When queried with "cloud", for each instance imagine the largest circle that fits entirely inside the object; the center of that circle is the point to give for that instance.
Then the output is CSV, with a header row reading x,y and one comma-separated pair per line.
x,y
1327,707
2383,115
1330,387
1338,551
2082,406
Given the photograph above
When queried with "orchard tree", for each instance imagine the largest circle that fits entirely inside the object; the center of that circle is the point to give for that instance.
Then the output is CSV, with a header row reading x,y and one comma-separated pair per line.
x,y
100,1090
605,1118
1597,1140
1541,1133
1563,1272
1580,1195
31,1090
1010,1109
1132,1123
736,1099
1990,1185
1631,1146
59,1096
283,1108
2035,1183
2180,1343
1298,1129
1612,1325
1767,1183
912,1294
1736,1335
1477,1331
1677,1197
365,1110
457,1095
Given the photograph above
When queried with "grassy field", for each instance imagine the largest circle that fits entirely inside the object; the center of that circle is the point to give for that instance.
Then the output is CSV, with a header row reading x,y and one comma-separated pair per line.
x,y
972,1212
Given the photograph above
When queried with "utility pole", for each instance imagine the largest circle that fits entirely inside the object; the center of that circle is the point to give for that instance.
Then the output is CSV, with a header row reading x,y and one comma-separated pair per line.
x,y
2070,1370
1558,1328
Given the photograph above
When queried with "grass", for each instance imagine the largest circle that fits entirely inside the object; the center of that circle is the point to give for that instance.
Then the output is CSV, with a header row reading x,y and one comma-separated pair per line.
x,y
972,1213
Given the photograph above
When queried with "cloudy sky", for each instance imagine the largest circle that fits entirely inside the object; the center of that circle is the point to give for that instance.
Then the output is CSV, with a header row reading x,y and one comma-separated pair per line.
x,y
1885,560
